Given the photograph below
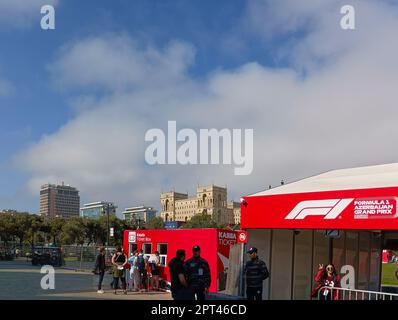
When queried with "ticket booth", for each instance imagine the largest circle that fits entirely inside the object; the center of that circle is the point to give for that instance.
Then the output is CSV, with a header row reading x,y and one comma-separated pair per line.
x,y
343,216
215,247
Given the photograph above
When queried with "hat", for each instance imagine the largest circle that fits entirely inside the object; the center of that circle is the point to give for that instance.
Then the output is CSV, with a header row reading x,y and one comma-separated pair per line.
x,y
251,250
196,248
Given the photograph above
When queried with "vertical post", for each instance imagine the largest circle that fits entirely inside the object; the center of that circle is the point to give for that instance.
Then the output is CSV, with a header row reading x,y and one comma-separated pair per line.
x,y
241,291
107,229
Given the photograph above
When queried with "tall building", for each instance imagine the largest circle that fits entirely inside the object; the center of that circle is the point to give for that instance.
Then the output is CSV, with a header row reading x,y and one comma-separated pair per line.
x,y
98,209
59,201
140,214
179,207
235,207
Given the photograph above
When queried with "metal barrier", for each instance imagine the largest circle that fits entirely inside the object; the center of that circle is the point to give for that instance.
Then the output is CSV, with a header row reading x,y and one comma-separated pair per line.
x,y
332,293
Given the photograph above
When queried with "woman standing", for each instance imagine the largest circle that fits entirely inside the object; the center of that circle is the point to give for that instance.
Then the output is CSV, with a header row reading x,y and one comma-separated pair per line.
x,y
326,278
119,260
155,270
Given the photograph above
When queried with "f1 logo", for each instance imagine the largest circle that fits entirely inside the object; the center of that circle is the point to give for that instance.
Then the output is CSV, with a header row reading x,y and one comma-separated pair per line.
x,y
330,208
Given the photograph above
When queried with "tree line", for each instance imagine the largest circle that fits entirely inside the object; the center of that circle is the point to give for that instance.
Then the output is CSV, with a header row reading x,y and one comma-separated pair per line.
x,y
29,229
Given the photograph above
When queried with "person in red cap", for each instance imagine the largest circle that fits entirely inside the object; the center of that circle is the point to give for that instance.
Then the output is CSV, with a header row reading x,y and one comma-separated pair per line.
x,y
255,273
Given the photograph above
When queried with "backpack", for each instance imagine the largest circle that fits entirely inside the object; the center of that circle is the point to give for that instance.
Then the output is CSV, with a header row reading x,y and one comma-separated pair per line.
x,y
140,263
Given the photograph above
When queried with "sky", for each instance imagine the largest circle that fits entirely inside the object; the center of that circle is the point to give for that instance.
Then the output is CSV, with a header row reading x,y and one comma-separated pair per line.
x,y
76,101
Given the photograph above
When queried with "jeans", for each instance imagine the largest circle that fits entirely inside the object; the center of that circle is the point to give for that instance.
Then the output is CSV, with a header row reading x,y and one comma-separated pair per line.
x,y
116,283
101,278
254,293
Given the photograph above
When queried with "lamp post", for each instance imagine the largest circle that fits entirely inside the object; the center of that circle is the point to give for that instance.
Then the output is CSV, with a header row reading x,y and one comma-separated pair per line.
x,y
107,224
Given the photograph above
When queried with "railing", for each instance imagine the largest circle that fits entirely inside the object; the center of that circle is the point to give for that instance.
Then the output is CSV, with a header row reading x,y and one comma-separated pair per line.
x,y
333,293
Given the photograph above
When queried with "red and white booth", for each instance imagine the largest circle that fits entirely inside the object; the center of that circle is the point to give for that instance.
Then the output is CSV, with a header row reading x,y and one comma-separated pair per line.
x,y
215,247
342,216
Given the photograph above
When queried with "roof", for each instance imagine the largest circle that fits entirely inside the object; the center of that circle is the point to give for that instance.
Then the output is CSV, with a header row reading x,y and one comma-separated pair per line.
x,y
379,176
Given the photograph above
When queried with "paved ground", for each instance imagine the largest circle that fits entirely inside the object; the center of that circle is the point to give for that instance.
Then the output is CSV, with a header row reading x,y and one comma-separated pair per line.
x,y
20,280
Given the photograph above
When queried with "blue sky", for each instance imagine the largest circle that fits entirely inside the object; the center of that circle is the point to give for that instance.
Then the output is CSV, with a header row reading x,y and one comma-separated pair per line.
x,y
254,52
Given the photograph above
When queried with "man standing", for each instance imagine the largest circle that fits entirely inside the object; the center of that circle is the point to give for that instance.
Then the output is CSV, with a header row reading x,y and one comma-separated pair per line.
x,y
100,268
177,277
255,273
198,274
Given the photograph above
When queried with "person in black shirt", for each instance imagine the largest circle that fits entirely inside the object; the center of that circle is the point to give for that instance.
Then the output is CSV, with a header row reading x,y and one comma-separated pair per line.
x,y
198,274
119,260
100,268
255,272
177,277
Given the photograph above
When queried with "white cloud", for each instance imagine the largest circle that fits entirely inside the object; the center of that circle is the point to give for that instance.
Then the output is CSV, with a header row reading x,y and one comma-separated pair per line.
x,y
342,113
22,13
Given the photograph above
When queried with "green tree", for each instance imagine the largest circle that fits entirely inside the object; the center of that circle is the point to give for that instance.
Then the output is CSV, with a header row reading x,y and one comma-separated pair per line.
x,y
201,220
155,223
56,226
73,231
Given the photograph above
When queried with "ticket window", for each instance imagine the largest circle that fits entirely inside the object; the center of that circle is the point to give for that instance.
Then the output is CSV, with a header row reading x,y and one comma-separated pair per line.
x,y
133,247
162,248
147,248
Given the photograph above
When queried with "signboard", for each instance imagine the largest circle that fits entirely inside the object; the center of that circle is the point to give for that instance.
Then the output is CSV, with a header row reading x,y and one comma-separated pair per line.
x,y
370,209
132,236
242,237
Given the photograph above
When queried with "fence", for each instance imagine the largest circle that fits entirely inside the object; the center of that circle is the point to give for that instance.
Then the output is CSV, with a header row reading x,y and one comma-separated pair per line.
x,y
83,257
332,293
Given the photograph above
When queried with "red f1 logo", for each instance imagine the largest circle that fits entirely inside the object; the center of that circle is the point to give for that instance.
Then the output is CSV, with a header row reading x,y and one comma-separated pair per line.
x,y
330,208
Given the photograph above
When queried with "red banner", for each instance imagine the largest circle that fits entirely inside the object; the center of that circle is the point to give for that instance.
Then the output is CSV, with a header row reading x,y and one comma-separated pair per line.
x,y
372,209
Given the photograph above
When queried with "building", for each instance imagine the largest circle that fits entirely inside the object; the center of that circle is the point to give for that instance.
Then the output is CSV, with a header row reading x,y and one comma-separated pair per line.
x,y
212,199
59,201
235,207
140,214
345,216
98,209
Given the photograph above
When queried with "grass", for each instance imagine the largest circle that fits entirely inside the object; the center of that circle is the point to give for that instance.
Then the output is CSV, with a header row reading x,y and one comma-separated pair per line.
x,y
71,259
388,274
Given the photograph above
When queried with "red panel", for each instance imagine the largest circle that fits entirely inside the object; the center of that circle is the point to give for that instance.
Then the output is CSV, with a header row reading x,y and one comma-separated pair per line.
x,y
181,239
371,209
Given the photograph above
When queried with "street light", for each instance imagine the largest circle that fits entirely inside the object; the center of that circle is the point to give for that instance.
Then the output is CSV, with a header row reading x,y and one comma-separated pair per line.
x,y
107,222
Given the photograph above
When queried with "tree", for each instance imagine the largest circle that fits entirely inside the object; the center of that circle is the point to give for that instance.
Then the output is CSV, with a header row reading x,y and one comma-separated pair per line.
x,y
73,231
56,225
155,223
201,220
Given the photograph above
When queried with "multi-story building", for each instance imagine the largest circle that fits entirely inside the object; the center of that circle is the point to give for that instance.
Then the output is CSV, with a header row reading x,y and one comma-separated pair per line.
x,y
235,207
98,209
211,199
139,215
59,201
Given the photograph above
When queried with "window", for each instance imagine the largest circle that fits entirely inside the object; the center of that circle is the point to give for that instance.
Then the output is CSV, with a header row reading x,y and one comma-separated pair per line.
x,y
133,247
147,248
162,248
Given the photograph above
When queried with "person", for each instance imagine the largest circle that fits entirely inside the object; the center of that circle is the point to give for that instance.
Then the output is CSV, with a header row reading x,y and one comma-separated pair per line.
x,y
119,260
142,269
326,277
198,275
133,268
155,270
99,268
179,285
255,272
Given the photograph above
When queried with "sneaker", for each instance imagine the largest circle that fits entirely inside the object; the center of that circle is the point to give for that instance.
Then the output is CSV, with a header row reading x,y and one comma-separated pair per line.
x,y
100,291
